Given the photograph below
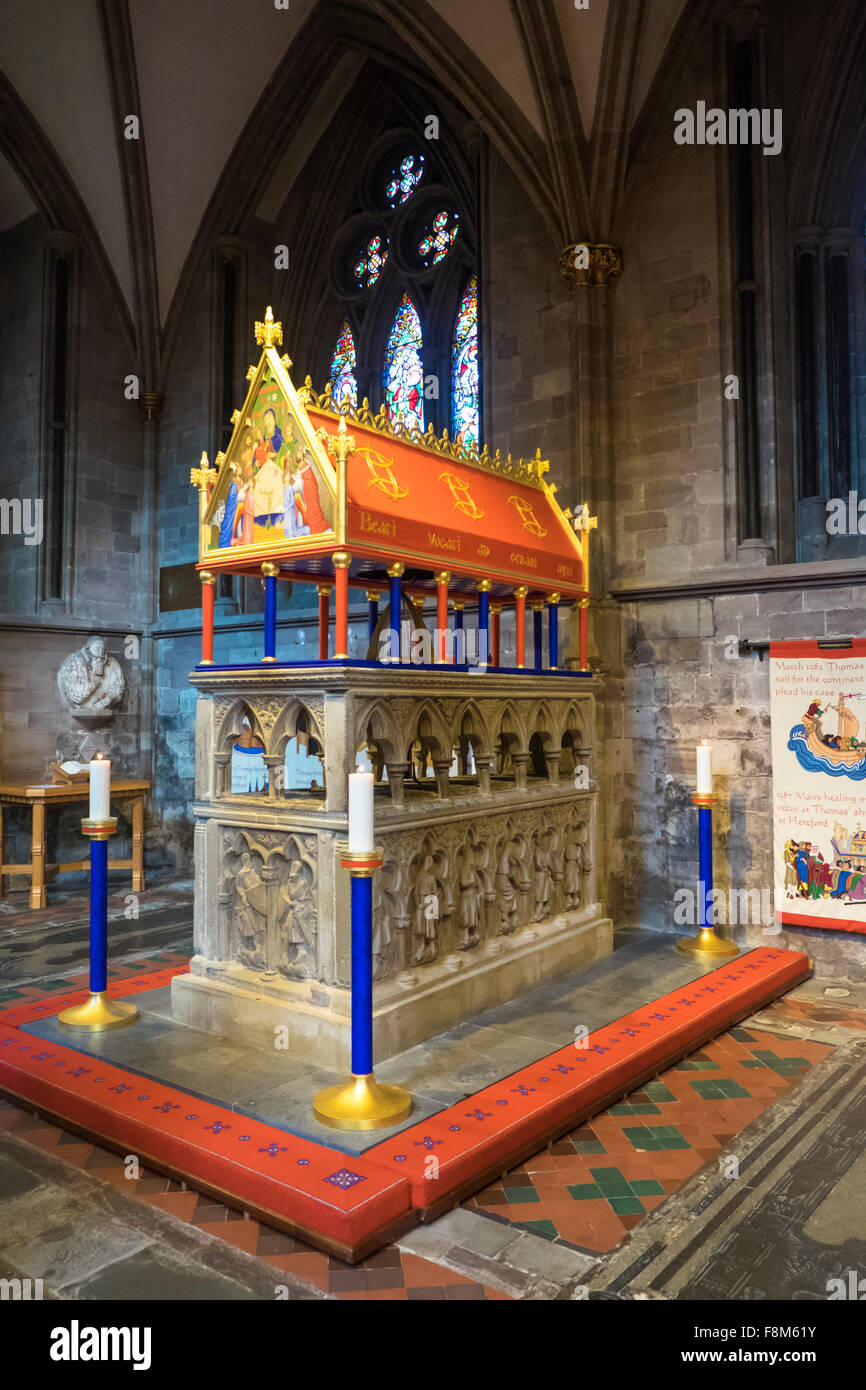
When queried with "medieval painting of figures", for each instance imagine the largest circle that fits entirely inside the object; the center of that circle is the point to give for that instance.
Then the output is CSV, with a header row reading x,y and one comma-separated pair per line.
x,y
274,488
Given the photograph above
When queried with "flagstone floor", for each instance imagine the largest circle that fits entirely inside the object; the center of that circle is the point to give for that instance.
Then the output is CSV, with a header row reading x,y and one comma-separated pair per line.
x,y
644,1197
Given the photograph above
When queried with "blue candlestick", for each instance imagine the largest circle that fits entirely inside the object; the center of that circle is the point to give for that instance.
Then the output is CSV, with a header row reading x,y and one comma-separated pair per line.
x,y
362,975
707,942
362,1103
537,618
374,616
99,1013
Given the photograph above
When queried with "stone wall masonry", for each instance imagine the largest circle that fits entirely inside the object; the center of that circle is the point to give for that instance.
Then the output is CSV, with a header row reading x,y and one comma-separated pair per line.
x,y
678,687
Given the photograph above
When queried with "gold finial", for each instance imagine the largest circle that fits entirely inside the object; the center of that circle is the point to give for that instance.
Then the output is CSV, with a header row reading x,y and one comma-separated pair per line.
x,y
251,371
341,445
203,476
235,416
583,523
286,361
269,334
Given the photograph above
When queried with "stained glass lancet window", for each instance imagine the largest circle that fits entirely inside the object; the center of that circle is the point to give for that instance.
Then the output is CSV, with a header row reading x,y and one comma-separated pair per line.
x,y
464,368
344,385
404,179
439,237
371,262
404,371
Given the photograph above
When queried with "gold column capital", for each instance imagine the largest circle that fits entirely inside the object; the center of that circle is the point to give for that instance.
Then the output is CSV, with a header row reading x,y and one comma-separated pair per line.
x,y
269,569
207,577
442,576
323,589
555,597
484,586
521,591
590,263
341,559
396,570
373,595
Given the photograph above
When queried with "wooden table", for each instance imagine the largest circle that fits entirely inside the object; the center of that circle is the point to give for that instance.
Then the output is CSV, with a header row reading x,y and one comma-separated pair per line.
x,y
38,797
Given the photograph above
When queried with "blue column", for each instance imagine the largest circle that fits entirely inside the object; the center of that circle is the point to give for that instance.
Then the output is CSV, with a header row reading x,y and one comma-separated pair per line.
x,y
484,625
362,975
395,596
705,862
270,617
373,602
537,617
553,632
98,916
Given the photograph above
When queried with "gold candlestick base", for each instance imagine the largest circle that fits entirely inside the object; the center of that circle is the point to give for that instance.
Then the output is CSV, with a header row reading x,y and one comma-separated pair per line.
x,y
99,1013
362,1103
706,943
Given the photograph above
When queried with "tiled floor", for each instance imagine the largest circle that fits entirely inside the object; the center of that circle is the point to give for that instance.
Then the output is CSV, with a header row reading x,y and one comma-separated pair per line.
x,y
390,1273
602,1189
279,1089
591,1188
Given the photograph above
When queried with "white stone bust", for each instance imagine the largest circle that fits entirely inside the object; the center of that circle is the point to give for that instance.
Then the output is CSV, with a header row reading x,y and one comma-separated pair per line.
x,y
90,679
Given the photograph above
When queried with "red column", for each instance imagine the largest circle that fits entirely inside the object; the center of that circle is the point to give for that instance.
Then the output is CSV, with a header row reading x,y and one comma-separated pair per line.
x,y
520,621
442,579
324,592
495,610
342,560
582,606
208,584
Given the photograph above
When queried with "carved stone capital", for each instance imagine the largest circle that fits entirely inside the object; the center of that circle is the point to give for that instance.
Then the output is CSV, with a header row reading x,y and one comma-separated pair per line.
x,y
590,263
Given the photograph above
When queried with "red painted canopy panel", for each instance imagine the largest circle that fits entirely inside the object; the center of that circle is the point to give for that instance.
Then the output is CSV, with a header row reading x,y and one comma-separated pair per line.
x,y
434,511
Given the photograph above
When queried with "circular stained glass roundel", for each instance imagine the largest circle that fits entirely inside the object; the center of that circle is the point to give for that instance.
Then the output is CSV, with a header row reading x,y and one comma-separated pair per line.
x,y
371,262
404,179
439,236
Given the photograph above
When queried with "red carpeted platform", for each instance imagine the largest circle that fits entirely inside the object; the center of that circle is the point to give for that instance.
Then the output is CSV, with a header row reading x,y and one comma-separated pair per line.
x,y
350,1206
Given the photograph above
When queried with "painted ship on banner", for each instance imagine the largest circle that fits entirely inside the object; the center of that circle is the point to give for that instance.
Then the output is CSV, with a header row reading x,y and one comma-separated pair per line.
x,y
841,748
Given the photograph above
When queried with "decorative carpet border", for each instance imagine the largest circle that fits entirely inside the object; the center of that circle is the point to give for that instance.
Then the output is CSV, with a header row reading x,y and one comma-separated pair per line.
x,y
309,1189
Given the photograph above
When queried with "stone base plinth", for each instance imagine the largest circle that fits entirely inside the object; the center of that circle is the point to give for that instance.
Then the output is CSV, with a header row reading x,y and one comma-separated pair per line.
x,y
226,998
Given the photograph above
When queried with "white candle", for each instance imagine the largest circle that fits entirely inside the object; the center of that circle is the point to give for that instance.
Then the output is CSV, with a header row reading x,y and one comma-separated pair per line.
x,y
361,812
705,768
100,785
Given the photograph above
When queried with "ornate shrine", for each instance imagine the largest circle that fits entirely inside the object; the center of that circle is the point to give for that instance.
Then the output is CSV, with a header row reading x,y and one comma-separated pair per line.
x,y
485,798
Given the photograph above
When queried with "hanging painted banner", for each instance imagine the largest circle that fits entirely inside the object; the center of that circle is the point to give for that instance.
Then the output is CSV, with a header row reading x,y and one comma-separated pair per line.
x,y
818,719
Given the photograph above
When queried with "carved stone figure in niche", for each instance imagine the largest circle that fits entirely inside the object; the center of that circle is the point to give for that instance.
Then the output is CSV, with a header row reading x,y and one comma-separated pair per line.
x,y
90,680
298,924
470,906
521,876
557,871
251,913
425,913
573,871
506,895
542,878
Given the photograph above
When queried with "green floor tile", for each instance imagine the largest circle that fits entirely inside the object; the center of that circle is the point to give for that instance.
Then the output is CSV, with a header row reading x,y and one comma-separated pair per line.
x,y
540,1228
657,1091
583,1191
521,1194
656,1138
646,1187
719,1090
627,1206
638,1107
